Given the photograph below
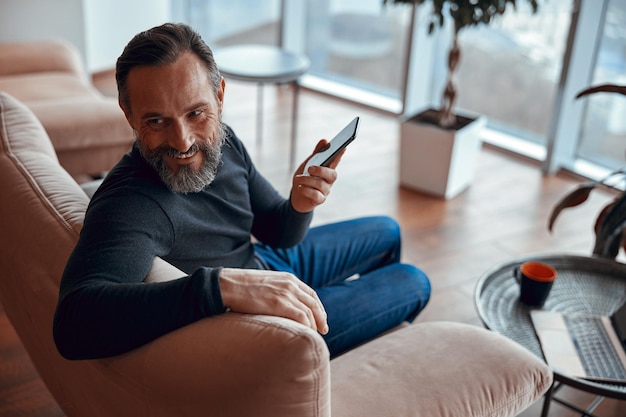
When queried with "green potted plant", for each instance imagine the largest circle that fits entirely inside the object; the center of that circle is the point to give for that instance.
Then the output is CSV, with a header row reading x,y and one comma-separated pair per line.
x,y
611,221
438,147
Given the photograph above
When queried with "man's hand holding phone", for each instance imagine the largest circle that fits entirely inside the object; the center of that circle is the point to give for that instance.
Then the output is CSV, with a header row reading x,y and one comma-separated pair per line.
x,y
317,174
325,156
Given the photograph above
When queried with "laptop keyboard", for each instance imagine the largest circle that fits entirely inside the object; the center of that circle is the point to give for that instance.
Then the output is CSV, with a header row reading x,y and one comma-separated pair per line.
x,y
596,351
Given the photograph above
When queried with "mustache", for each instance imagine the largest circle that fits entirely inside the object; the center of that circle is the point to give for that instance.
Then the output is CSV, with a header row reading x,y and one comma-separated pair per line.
x,y
186,179
166,150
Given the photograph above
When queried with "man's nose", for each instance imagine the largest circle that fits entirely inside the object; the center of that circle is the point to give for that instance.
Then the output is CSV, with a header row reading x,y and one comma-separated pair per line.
x,y
180,137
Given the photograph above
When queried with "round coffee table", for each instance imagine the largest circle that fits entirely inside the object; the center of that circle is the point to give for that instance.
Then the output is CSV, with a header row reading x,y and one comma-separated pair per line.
x,y
264,64
584,284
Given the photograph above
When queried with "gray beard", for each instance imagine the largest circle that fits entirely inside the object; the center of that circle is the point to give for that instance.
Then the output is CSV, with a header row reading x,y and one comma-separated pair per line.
x,y
186,179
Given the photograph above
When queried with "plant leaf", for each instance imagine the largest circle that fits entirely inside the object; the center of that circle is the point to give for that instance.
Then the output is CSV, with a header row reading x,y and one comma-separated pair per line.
x,y
574,198
611,227
604,88
600,217
608,246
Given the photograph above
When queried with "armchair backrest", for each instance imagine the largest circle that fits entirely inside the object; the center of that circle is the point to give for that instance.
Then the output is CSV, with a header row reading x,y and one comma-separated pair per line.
x,y
231,365
41,215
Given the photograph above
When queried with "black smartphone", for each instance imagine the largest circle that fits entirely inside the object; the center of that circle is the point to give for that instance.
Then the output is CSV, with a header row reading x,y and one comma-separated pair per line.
x,y
339,142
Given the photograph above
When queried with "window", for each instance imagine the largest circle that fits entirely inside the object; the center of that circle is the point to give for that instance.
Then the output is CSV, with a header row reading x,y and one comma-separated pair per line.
x,y
509,70
358,49
603,132
228,22
522,71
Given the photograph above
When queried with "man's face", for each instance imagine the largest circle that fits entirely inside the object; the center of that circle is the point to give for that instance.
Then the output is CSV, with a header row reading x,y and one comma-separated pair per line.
x,y
177,117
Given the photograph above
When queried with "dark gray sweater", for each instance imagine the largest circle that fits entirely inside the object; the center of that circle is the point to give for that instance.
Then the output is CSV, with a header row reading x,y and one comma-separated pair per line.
x,y
104,307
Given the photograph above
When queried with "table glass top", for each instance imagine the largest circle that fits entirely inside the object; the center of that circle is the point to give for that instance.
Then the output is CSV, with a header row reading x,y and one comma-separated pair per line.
x,y
260,63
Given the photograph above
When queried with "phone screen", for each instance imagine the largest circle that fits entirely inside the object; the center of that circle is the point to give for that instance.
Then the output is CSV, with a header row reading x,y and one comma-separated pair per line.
x,y
339,142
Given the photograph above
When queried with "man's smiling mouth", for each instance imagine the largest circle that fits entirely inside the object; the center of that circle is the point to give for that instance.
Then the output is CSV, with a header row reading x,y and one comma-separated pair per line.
x,y
175,154
186,155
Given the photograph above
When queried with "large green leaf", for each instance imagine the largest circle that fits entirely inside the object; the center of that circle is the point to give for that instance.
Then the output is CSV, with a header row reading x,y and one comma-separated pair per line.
x,y
576,197
611,229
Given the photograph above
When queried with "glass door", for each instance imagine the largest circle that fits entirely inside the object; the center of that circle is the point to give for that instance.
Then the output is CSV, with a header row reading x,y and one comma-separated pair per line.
x,y
229,22
509,71
603,131
358,50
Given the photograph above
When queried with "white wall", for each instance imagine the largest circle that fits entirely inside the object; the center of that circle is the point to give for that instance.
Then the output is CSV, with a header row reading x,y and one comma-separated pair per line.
x,y
98,28
42,19
111,24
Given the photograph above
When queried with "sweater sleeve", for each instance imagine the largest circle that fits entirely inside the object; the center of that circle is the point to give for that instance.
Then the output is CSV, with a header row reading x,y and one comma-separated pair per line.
x,y
276,222
104,307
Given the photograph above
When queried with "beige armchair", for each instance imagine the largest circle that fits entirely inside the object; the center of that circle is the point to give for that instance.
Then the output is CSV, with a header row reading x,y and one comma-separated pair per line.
x,y
231,365
88,130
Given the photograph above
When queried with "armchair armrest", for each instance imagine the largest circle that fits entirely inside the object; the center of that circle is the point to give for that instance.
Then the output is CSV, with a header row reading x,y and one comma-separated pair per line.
x,y
40,56
231,365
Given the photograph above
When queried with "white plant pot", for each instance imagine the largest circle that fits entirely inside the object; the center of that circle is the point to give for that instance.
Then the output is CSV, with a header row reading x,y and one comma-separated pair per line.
x,y
438,161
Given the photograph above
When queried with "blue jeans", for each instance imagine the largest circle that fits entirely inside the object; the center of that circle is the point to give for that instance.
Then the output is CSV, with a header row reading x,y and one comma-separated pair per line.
x,y
386,292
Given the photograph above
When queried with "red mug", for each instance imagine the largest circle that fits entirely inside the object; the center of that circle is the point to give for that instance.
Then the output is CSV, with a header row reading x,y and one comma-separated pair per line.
x,y
535,279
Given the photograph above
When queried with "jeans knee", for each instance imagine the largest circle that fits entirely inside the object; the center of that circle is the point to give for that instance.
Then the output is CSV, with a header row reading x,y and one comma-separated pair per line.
x,y
419,277
387,229
388,225
417,283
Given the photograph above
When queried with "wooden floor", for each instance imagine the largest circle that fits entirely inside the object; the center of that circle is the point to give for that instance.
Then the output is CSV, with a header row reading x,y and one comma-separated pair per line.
x,y
501,216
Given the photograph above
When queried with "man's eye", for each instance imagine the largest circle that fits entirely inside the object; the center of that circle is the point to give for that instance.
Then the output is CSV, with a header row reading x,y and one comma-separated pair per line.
x,y
195,113
155,122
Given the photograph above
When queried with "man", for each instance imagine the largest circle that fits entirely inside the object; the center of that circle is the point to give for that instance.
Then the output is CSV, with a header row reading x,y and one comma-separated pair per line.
x,y
189,193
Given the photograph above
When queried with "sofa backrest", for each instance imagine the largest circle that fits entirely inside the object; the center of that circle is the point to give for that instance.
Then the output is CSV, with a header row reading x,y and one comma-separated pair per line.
x,y
54,55
87,129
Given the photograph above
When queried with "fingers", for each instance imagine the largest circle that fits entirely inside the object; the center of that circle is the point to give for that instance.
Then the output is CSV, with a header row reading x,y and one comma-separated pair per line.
x,y
316,188
299,312
317,316
307,194
333,164
309,191
321,145
327,174
305,306
298,305
272,293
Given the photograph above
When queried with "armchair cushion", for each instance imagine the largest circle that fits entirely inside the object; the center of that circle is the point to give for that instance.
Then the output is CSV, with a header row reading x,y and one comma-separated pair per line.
x,y
440,369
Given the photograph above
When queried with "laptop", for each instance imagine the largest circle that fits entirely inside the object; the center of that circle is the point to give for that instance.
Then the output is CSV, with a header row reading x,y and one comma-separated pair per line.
x,y
584,345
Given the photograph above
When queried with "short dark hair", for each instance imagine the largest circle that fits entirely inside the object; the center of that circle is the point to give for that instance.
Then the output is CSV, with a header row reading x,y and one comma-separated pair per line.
x,y
162,45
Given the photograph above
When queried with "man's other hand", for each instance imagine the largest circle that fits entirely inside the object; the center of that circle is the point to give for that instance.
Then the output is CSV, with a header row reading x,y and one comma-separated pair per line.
x,y
272,293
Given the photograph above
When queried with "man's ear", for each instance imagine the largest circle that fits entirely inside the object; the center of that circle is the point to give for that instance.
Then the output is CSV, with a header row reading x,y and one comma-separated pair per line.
x,y
220,94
